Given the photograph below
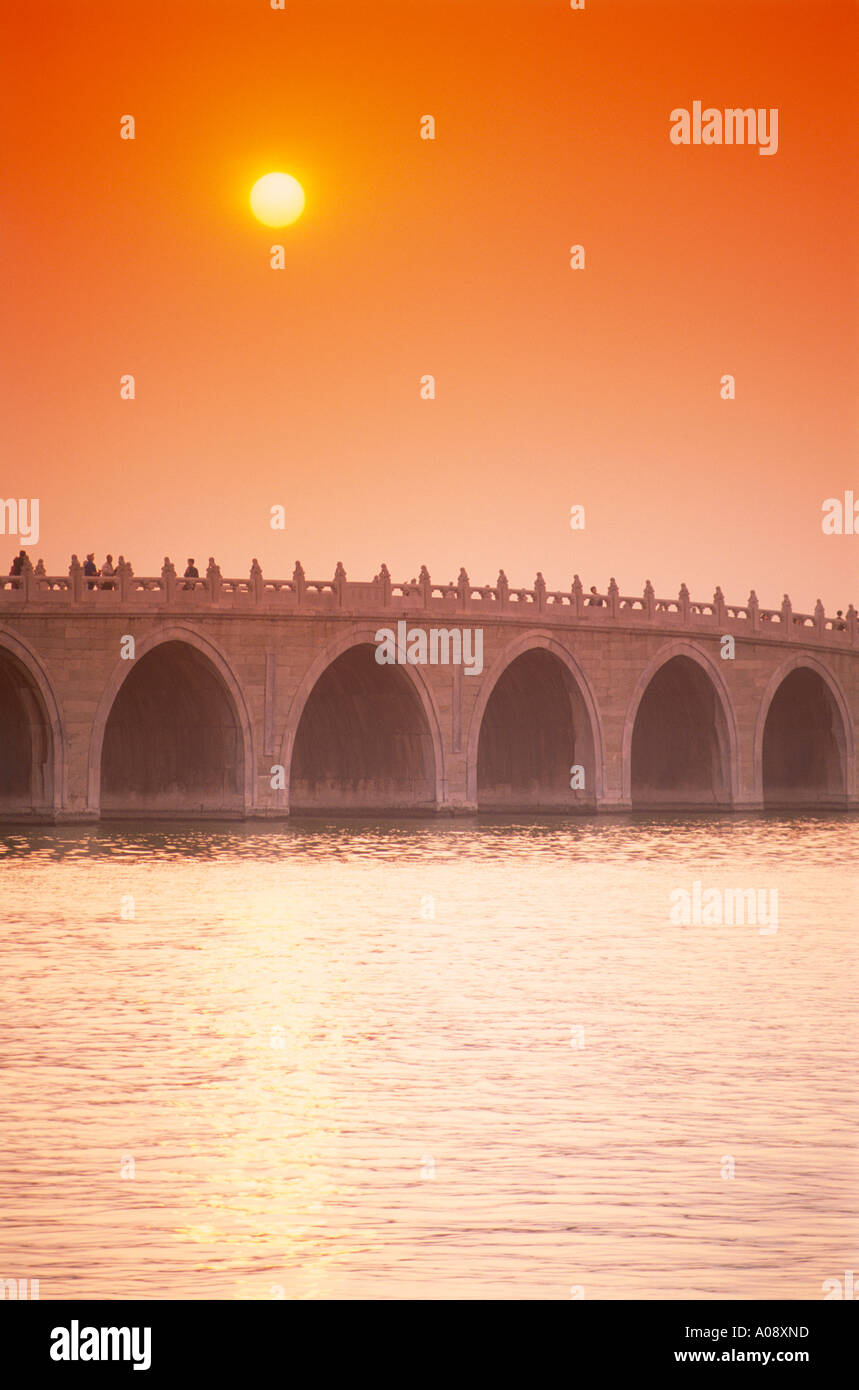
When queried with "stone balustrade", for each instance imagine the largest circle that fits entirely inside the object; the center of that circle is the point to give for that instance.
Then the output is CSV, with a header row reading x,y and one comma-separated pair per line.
x,y
128,591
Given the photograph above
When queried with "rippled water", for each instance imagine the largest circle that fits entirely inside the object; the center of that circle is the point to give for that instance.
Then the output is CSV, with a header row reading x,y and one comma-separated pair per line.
x,y
339,1060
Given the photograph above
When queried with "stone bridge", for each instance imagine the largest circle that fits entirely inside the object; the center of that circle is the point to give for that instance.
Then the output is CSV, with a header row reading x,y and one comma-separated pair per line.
x,y
259,698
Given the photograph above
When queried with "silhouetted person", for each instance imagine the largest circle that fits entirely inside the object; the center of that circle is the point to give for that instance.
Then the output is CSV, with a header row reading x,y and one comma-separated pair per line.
x,y
595,601
839,624
108,569
191,573
18,562
90,568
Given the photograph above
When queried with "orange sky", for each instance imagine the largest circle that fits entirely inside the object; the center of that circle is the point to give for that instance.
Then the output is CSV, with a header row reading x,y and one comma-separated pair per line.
x,y
555,387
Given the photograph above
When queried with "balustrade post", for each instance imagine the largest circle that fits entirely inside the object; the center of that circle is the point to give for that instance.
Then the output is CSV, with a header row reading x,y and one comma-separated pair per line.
x,y
124,573
819,618
719,608
28,582
385,581
340,585
463,588
754,611
503,589
256,581
576,596
299,582
683,598
76,576
649,600
613,597
168,580
539,592
213,580
425,586
852,626
787,617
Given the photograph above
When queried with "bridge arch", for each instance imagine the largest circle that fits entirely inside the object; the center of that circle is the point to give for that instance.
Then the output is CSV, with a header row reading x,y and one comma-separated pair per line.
x,y
341,754
804,748
33,747
680,716
198,761
520,754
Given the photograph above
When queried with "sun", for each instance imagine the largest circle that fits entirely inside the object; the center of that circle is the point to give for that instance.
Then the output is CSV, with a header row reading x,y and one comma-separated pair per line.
x,y
277,200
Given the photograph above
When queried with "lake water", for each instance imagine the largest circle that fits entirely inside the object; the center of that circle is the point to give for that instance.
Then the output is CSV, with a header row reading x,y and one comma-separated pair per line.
x,y
469,1059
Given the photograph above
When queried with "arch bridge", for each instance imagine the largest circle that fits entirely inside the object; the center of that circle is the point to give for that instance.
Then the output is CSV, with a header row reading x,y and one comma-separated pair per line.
x,y
262,698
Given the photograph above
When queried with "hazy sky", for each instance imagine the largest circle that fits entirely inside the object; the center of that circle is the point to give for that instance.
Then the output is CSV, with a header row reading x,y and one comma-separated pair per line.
x,y
598,387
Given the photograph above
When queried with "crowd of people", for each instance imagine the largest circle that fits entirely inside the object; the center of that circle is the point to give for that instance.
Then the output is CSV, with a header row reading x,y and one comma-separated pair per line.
x,y
92,572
